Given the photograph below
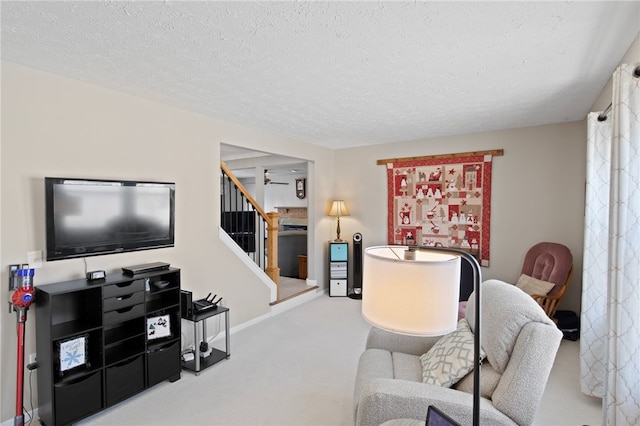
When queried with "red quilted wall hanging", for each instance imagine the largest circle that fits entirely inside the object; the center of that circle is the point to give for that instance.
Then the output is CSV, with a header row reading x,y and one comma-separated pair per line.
x,y
441,201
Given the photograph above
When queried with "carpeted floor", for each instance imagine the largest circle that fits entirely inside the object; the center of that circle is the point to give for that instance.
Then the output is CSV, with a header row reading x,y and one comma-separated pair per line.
x,y
298,368
291,286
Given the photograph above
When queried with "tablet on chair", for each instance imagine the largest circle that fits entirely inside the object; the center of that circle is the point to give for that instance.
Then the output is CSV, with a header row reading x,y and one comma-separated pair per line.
x,y
435,417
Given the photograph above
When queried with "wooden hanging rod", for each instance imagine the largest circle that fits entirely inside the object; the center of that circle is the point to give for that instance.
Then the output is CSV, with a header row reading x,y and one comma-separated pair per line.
x,y
493,152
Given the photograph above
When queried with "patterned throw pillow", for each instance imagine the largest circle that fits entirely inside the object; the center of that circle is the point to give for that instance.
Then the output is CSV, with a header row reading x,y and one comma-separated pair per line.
x,y
533,286
451,358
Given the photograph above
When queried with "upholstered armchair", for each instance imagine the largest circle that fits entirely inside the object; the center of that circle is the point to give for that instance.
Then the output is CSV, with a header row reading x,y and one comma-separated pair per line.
x,y
520,342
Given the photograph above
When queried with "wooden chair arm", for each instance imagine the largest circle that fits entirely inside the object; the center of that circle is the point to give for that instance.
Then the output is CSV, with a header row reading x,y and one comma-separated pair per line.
x,y
549,303
540,297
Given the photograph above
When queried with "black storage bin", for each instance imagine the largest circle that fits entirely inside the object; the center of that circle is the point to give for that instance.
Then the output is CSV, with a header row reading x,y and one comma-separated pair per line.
x,y
569,323
124,379
163,362
78,399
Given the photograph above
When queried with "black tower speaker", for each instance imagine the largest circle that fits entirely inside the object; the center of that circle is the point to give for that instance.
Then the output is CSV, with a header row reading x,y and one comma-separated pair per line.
x,y
356,291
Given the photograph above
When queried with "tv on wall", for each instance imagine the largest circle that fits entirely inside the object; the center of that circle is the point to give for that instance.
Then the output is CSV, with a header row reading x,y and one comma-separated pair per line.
x,y
89,217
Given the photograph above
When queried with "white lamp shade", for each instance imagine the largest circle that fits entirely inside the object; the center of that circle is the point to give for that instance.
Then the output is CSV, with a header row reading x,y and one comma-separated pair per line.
x,y
417,297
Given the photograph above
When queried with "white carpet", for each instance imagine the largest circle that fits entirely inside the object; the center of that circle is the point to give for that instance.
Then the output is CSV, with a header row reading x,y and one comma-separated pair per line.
x,y
289,286
298,368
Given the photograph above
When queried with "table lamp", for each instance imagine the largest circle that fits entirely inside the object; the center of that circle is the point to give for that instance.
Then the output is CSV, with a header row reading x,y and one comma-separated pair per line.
x,y
338,208
415,291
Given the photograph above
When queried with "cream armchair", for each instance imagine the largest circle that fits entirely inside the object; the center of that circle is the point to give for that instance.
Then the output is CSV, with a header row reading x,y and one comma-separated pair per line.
x,y
520,342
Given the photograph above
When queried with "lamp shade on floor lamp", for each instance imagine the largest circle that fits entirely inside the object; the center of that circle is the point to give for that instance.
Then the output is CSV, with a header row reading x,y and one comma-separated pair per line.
x,y
417,296
416,291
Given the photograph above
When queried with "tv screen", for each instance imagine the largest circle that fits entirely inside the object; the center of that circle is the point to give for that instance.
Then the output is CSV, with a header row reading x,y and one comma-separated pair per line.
x,y
89,217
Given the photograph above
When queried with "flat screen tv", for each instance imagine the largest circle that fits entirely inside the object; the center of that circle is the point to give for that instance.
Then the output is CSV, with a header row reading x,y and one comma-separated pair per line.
x,y
89,217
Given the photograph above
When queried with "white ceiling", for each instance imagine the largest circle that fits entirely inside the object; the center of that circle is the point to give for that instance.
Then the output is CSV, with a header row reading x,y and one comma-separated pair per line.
x,y
244,162
337,74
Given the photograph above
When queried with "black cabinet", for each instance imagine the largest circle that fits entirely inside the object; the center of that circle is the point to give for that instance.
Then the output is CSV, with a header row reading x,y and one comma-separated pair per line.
x,y
99,343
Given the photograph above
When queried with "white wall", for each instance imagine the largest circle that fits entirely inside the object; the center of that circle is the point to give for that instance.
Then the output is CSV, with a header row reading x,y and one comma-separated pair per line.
x,y
537,192
283,195
53,126
275,195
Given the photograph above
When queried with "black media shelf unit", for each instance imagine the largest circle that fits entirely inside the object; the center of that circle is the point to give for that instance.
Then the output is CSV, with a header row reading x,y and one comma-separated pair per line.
x,y
101,342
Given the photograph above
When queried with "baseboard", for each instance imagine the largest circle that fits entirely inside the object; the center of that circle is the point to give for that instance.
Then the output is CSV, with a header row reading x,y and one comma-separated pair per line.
x,y
275,310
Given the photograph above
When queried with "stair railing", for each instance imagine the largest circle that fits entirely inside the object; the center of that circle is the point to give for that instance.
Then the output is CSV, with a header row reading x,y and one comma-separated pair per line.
x,y
254,230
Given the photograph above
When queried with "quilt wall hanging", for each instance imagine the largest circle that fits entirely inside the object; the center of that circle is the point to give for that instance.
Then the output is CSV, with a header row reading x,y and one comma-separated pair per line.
x,y
441,201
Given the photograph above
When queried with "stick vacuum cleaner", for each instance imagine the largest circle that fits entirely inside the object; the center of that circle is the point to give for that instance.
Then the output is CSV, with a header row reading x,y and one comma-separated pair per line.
x,y
21,298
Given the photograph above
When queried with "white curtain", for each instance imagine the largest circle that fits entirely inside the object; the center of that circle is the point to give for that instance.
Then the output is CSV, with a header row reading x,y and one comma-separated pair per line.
x,y
593,321
610,334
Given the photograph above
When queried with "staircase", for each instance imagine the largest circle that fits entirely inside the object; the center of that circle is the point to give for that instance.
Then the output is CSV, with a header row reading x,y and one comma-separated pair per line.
x,y
254,230
256,233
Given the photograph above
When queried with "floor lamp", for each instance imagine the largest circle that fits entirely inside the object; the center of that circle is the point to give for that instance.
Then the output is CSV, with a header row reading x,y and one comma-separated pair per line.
x,y
415,291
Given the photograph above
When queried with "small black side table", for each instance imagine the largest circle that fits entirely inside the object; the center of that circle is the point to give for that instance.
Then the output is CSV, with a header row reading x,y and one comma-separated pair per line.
x,y
198,364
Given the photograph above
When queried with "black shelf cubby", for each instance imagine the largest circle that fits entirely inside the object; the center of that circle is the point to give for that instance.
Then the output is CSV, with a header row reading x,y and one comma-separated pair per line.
x,y
163,282
124,330
173,315
87,358
162,299
124,349
75,312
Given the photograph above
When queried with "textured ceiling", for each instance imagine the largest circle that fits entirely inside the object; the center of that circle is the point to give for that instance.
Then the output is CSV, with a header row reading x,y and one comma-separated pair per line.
x,y
337,73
